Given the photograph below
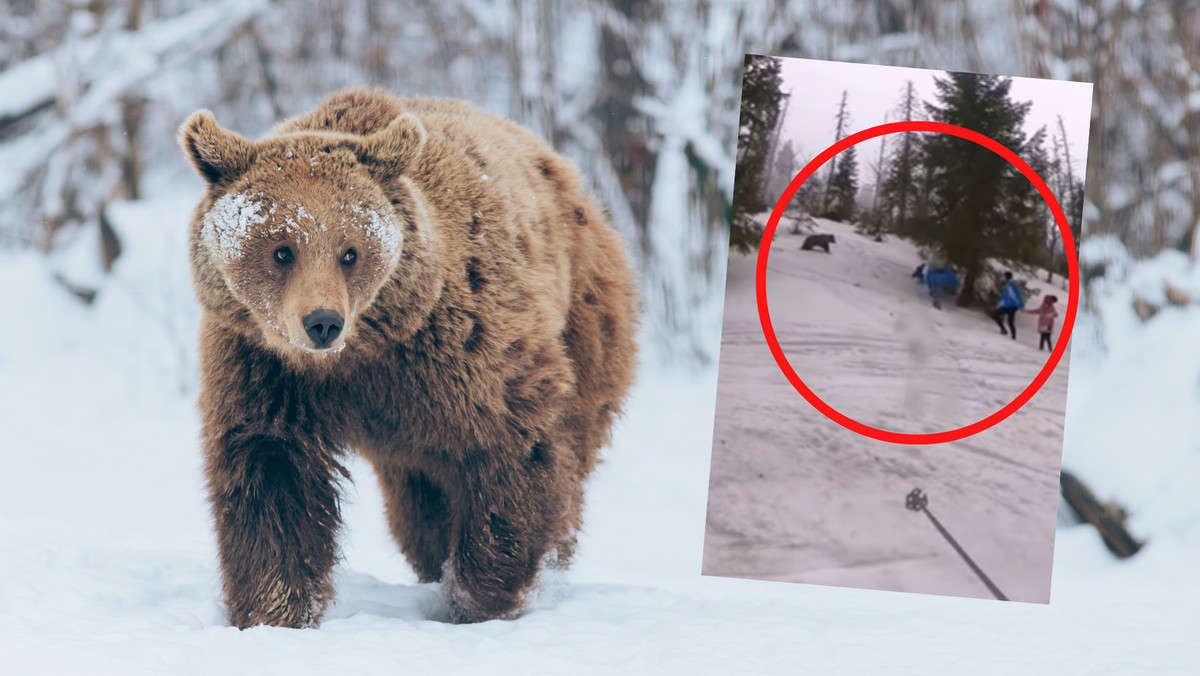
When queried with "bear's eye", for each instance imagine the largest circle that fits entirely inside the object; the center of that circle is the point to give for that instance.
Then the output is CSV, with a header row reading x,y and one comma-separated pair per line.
x,y
349,257
284,255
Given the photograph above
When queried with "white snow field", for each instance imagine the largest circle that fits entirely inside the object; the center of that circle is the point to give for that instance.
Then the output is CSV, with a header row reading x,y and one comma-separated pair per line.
x,y
108,565
796,497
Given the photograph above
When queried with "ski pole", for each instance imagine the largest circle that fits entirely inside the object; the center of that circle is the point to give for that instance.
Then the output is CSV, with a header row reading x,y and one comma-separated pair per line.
x,y
919,502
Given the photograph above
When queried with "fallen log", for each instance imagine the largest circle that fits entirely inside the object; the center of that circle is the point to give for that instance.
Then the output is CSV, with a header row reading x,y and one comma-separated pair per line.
x,y
1107,518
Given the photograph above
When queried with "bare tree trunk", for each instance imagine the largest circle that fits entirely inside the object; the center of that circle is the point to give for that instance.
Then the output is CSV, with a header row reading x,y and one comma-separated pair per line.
x,y
110,243
773,155
623,125
263,58
967,295
842,121
879,174
133,107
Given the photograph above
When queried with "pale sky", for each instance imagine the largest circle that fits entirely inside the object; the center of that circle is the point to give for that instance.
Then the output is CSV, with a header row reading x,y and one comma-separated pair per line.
x,y
873,91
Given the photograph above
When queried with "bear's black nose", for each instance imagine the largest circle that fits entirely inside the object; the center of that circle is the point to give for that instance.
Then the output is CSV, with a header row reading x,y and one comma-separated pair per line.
x,y
323,326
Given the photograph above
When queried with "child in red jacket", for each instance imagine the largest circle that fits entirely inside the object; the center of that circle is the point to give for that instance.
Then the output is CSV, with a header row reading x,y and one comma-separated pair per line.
x,y
1046,314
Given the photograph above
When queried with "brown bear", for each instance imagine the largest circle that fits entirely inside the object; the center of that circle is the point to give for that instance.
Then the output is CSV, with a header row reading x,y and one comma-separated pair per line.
x,y
818,241
427,285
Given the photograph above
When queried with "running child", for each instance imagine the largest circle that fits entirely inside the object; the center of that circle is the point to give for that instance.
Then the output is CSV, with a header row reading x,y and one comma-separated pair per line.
x,y
1046,315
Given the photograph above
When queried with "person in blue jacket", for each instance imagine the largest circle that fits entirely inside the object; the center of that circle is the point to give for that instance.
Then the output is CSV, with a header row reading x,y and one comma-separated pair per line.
x,y
942,282
1010,303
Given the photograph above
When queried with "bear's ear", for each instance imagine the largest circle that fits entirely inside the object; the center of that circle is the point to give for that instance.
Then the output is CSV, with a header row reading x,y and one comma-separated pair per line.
x,y
219,155
389,151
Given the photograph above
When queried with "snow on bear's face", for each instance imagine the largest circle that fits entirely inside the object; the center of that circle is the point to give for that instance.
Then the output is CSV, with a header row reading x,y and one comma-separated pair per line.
x,y
300,229
305,273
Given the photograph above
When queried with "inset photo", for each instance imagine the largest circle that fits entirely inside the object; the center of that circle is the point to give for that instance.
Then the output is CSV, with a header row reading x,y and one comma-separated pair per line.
x,y
917,283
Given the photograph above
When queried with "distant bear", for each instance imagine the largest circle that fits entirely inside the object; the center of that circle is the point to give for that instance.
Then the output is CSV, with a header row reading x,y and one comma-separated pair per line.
x,y
427,285
815,241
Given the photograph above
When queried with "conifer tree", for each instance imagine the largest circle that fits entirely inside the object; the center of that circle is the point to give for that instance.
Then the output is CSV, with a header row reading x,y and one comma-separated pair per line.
x,y
761,101
980,206
843,187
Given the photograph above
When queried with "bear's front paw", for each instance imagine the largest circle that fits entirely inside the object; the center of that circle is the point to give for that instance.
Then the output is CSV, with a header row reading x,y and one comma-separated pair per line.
x,y
279,605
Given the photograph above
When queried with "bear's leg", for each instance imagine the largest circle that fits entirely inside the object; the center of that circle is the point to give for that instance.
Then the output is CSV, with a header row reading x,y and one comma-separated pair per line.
x,y
276,510
512,515
418,513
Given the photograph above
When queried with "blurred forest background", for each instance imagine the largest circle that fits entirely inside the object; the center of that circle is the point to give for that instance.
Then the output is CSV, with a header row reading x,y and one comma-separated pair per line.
x,y
643,95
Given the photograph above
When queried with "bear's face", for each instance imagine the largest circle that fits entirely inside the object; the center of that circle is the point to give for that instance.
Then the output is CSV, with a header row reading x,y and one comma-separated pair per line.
x,y
300,229
304,262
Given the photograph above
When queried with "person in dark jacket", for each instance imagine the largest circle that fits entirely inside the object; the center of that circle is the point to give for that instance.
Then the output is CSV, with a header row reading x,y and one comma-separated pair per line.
x,y
1011,302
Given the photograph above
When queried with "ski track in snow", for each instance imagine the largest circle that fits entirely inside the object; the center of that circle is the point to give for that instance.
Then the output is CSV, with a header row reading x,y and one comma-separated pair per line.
x,y
108,564
796,497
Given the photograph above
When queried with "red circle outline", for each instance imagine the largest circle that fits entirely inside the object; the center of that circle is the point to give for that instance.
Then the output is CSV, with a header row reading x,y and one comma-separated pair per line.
x,y
764,314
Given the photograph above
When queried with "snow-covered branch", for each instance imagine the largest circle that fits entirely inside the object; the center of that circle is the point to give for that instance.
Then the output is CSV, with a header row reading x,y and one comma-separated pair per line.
x,y
112,65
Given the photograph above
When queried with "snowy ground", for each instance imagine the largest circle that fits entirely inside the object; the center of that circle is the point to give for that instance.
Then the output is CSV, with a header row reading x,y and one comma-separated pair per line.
x,y
107,564
796,497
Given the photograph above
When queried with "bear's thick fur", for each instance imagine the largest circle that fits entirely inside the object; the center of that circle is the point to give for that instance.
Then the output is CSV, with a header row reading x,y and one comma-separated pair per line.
x,y
425,284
